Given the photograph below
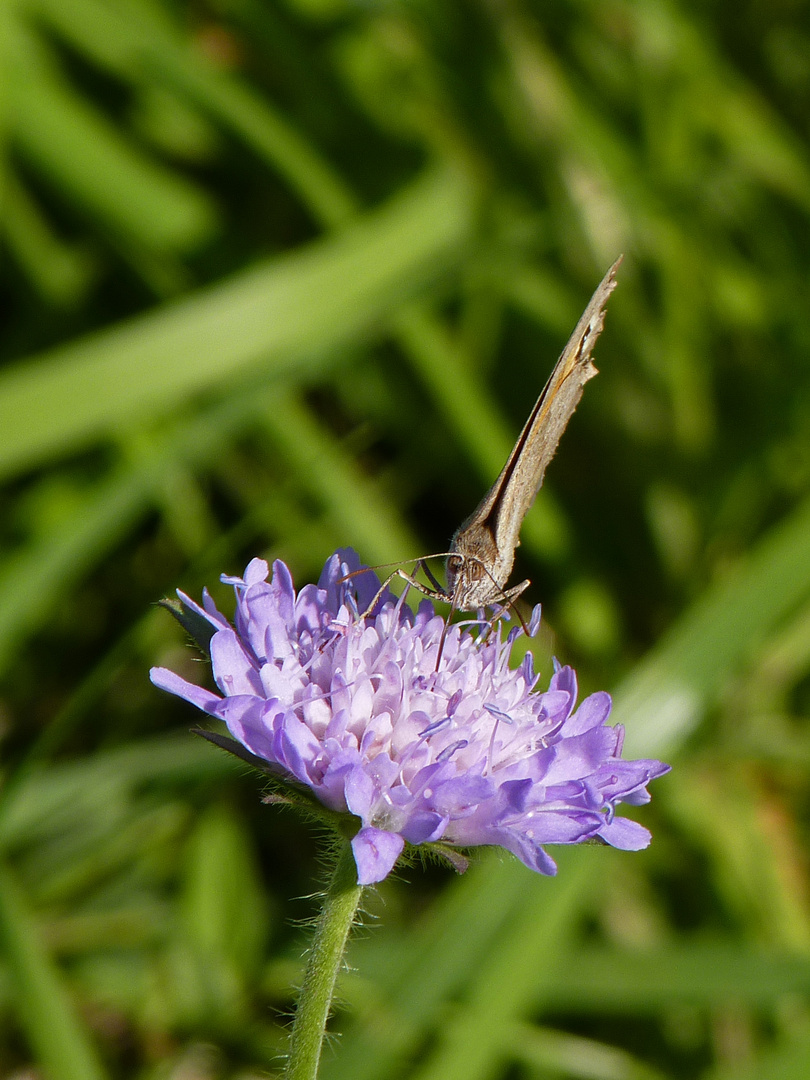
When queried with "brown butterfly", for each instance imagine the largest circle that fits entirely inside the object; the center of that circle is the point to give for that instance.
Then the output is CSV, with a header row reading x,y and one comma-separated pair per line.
x,y
482,551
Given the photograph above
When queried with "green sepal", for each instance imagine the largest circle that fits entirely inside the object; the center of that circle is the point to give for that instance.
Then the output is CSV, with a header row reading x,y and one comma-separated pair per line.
x,y
236,748
451,855
199,628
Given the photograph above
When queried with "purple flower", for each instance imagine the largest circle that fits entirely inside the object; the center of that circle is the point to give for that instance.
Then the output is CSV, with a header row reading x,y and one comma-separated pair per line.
x,y
355,708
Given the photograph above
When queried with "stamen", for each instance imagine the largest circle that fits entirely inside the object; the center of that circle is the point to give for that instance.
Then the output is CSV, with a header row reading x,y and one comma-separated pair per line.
x,y
493,711
450,750
431,729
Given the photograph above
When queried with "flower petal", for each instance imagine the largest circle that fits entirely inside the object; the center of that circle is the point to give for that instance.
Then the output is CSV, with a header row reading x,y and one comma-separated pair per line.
x,y
233,669
375,852
360,793
197,695
593,712
625,834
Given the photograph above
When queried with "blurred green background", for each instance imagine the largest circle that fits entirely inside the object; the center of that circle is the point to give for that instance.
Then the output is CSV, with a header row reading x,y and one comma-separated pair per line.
x,y
285,275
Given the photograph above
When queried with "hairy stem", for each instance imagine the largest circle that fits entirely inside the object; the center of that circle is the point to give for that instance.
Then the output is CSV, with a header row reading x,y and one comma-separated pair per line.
x,y
315,1000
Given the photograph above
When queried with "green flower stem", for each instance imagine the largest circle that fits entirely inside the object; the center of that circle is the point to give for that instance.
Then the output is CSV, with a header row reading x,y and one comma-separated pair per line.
x,y
314,1002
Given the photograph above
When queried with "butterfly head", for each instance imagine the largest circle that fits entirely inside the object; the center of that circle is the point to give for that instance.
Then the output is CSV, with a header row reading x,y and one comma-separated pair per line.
x,y
475,569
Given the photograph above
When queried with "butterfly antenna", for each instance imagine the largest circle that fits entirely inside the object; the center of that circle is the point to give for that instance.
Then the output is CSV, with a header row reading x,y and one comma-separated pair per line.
x,y
418,561
366,570
513,607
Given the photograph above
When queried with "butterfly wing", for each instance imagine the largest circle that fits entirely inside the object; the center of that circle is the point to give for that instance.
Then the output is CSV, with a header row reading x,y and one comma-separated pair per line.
x,y
483,548
508,502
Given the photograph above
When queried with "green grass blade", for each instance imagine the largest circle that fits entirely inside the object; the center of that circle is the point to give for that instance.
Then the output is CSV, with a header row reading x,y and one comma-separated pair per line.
x,y
521,966
33,580
60,1043
788,1060
358,511
667,694
47,798
557,1053
133,43
60,272
92,163
281,315
642,982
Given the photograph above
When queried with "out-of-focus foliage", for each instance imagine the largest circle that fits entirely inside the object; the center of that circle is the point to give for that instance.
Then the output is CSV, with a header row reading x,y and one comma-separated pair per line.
x,y
284,275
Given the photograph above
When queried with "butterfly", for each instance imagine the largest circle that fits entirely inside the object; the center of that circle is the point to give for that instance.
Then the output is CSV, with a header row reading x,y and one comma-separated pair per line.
x,y
482,550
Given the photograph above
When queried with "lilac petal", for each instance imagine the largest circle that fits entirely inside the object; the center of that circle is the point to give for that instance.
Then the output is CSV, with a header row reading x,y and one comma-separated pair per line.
x,y
579,756
562,826
311,609
197,695
299,746
256,606
625,834
234,672
422,828
515,793
332,789
593,712
336,728
564,678
390,689
283,591
339,566
211,608
556,704
317,715
249,720
638,797
367,586
384,771
209,612
333,567
627,780
529,853
257,570
275,644
543,863
375,852
359,792
275,684
457,796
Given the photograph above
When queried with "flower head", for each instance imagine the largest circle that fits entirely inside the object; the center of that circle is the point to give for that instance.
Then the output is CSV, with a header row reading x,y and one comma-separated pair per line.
x,y
356,708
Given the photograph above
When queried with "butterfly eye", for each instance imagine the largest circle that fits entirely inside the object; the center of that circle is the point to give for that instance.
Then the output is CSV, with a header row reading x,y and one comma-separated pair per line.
x,y
454,564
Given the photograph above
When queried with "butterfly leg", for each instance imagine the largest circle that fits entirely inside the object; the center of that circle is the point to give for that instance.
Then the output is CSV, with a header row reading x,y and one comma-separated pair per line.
x,y
506,601
434,593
